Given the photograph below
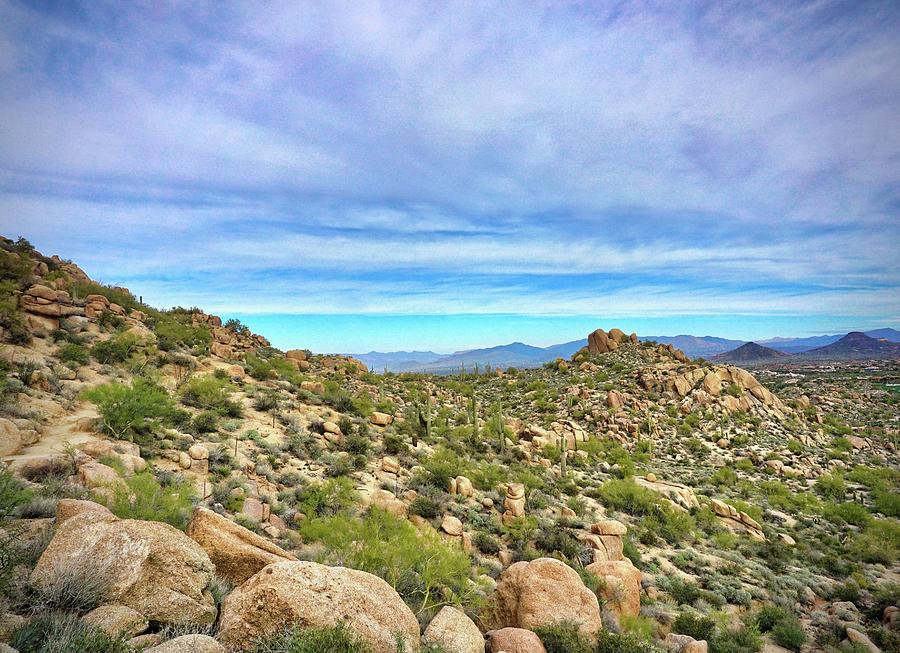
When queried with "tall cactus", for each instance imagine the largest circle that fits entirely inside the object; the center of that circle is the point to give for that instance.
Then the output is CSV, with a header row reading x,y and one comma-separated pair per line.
x,y
563,455
473,413
428,416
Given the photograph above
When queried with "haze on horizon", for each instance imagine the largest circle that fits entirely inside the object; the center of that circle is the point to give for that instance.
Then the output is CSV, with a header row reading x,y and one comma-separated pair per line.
x,y
398,175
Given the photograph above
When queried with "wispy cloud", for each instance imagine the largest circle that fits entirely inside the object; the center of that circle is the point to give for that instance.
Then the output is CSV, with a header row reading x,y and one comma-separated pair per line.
x,y
526,157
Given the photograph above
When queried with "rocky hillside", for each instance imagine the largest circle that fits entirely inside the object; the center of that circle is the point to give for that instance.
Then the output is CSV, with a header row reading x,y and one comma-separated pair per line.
x,y
750,354
173,483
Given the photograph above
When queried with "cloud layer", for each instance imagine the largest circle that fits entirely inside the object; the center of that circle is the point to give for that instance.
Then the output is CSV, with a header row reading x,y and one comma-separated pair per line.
x,y
616,159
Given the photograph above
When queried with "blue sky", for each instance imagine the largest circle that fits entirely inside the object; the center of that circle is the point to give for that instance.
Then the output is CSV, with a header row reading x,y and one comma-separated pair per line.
x,y
530,169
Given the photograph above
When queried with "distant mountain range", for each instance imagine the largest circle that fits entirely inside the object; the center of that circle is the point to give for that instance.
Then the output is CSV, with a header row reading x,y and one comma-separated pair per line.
x,y
518,354
855,345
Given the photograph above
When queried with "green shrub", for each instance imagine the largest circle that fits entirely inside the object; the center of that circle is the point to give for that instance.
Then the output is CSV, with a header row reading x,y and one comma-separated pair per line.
x,y
64,633
337,639
849,512
425,571
879,542
205,422
831,486
119,296
789,633
147,499
768,616
486,543
128,411
74,354
563,638
13,494
695,625
174,331
743,639
327,498
117,349
425,506
209,392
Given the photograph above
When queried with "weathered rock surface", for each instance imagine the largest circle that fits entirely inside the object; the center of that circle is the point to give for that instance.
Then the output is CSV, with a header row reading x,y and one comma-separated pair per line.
x,y
514,640
455,632
313,595
188,644
622,586
543,592
237,552
152,567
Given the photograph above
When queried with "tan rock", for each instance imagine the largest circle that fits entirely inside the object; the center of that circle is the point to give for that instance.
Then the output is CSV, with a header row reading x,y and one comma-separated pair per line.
x,y
542,592
11,440
67,508
684,644
237,552
97,475
315,387
390,465
188,644
381,419
117,620
608,527
464,487
331,427
152,567
198,452
452,525
389,502
712,384
621,586
314,595
514,640
298,355
455,632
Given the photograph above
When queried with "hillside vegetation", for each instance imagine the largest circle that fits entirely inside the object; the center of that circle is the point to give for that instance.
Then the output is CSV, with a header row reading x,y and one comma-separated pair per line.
x,y
171,482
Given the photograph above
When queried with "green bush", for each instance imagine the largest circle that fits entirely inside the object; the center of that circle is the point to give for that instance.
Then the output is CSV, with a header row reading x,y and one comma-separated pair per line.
x,y
327,498
175,330
205,422
425,506
209,392
14,493
129,411
608,642
789,633
768,616
695,625
831,486
425,571
486,543
147,499
337,639
64,633
563,638
879,542
74,354
743,639
117,349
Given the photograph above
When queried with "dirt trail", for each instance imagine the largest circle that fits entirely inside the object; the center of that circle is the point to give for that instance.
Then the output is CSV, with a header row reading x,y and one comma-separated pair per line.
x,y
55,436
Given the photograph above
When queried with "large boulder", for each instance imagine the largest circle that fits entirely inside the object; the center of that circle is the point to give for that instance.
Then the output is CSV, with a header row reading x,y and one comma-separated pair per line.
x,y
312,595
237,552
540,593
454,632
11,440
117,620
621,586
151,567
514,640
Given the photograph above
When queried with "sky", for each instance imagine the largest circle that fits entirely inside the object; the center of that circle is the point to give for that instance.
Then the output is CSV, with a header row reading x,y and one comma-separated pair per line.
x,y
417,175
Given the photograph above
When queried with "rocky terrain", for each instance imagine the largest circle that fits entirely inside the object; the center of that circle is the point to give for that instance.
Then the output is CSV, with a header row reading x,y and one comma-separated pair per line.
x,y
173,483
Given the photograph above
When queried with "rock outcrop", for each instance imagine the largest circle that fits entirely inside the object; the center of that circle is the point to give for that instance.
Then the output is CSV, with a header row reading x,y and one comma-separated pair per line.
x,y
454,632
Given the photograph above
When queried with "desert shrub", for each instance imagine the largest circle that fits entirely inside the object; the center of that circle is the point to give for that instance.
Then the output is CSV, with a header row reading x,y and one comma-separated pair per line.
x,y
148,499
77,587
558,540
789,633
427,573
209,392
849,512
878,542
336,639
357,445
127,412
831,486
425,506
627,496
695,625
175,330
742,639
327,498
486,543
74,354
14,493
117,349
64,633
563,637
442,466
660,519
768,616
120,296
205,422
394,444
